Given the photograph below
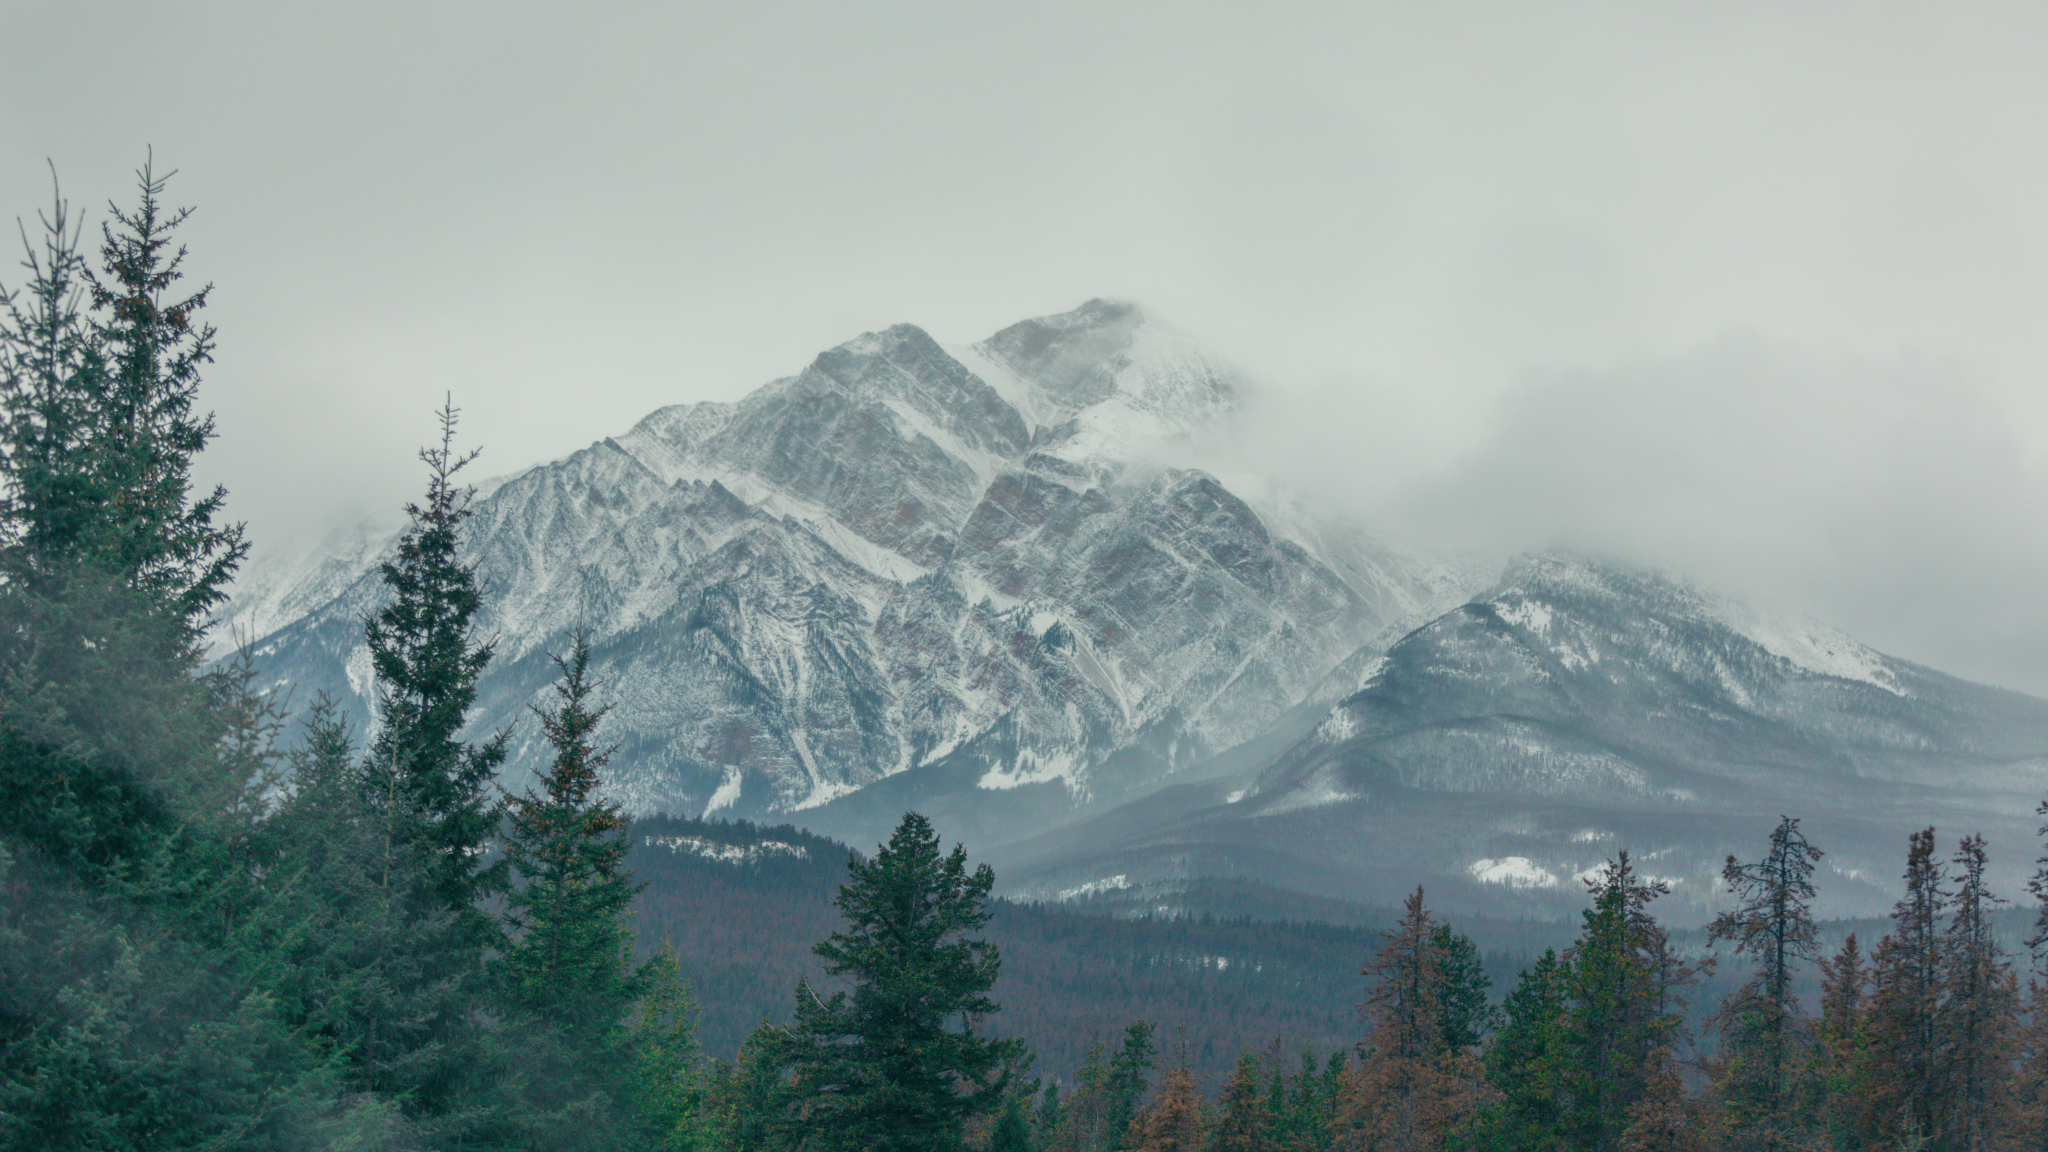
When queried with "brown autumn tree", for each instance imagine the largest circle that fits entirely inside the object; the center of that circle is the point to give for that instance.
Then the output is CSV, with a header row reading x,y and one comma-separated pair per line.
x,y
1244,1121
1661,1120
1908,1066
1837,1082
1410,1089
1173,1122
2028,1122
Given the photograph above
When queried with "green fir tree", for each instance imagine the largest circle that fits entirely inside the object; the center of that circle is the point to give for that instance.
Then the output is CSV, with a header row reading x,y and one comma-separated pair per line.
x,y
899,1064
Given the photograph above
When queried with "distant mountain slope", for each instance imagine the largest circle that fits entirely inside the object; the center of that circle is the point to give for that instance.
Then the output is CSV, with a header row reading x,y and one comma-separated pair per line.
x,y
907,555
1577,708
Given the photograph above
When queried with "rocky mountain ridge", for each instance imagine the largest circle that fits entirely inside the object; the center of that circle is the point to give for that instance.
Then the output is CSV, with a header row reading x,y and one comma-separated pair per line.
x,y
903,555
959,579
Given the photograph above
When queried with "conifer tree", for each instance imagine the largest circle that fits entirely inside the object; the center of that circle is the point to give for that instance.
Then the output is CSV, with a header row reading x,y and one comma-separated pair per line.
x,y
1127,1082
164,542
1077,1120
1529,1061
2028,1121
1012,1131
1622,991
137,935
1174,1122
108,567
392,969
1045,1119
1763,1032
565,975
427,656
1411,1088
1312,1107
666,1081
1659,1120
898,1065
1839,1081
1468,1013
1978,1003
1907,1059
750,1103
1243,1120
1097,1115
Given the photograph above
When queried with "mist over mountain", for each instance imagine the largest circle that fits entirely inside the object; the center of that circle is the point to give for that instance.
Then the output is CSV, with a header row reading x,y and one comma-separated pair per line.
x,y
905,554
970,580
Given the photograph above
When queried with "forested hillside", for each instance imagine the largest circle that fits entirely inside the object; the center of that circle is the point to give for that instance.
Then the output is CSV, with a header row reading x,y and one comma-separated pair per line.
x,y
743,905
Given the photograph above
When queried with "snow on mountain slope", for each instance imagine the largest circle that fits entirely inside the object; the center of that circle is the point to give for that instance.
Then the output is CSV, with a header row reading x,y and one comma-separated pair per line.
x,y
901,556
1577,707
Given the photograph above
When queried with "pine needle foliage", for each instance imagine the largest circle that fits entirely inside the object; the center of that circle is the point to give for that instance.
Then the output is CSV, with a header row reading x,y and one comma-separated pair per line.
x,y
1763,1031
568,910
1908,1059
427,656
900,1065
1412,1088
1980,1001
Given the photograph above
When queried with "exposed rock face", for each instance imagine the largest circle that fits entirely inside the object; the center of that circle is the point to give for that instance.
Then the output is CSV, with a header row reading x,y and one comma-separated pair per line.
x,y
905,556
951,578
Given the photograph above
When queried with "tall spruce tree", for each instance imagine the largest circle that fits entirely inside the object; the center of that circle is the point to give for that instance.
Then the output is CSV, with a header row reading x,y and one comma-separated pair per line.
x,y
1128,1080
427,656
1623,993
1468,1013
1529,1063
110,567
1412,1088
595,1073
139,921
1175,1120
1763,1032
899,1065
1908,1060
1979,1002
397,985
566,964
1244,1122
1839,1077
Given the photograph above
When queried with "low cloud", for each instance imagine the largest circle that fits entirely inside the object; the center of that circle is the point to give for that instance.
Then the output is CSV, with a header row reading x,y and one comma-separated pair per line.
x,y
1892,498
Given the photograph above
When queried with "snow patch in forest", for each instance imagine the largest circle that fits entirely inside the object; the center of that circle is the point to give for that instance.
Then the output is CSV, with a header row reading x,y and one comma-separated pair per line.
x,y
1529,615
1114,883
1340,725
728,853
728,792
1512,871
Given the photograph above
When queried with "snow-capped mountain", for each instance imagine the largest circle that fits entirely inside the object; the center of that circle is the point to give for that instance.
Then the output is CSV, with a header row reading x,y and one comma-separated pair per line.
x,y
1506,749
907,558
957,578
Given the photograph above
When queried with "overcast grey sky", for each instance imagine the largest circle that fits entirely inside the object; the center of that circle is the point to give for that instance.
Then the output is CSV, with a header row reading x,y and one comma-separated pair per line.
x,y
1754,290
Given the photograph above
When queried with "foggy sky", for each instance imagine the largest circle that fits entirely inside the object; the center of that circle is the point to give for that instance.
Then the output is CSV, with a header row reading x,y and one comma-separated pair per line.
x,y
1752,290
